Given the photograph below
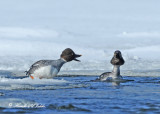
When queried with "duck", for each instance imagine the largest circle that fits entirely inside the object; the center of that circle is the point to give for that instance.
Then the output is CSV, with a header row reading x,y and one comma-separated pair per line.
x,y
117,61
50,68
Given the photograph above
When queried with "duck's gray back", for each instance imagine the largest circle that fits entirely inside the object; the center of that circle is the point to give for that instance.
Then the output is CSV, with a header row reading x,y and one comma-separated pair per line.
x,y
104,76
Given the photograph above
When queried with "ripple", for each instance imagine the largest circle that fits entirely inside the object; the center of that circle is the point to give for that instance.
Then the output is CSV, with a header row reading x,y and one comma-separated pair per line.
x,y
67,107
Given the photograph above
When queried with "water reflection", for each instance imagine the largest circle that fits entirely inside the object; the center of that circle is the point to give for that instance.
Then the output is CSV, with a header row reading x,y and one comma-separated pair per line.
x,y
117,83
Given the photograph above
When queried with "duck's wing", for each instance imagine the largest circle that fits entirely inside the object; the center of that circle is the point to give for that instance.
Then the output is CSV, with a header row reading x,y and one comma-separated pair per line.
x,y
37,65
104,76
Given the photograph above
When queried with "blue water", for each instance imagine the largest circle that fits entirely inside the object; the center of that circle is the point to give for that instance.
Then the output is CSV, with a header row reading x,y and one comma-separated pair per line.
x,y
79,94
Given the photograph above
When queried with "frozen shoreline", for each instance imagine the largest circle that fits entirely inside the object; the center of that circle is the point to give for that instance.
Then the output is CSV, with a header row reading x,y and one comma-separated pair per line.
x,y
36,30
76,73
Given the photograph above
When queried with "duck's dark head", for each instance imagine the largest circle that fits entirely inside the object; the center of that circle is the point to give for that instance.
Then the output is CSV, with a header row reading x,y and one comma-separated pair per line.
x,y
69,55
117,58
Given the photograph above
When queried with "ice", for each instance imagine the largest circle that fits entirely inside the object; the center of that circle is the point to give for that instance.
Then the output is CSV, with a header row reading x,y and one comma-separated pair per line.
x,y
140,34
26,83
14,33
35,30
29,84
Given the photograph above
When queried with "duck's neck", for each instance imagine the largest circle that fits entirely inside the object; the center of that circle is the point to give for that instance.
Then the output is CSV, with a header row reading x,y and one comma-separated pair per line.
x,y
116,71
59,63
62,61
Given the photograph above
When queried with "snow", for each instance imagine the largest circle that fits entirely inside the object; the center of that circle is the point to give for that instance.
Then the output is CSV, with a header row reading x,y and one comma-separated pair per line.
x,y
36,29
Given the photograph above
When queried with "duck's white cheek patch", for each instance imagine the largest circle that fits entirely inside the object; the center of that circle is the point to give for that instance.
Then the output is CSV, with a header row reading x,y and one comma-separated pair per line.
x,y
45,72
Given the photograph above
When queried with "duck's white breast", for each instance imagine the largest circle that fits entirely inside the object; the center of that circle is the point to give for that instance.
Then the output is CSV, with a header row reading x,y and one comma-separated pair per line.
x,y
45,72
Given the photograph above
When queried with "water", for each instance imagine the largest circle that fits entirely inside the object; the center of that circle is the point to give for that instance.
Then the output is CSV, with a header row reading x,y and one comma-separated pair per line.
x,y
79,94
36,30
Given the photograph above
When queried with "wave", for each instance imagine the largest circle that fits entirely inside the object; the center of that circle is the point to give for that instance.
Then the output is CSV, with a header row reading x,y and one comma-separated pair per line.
x,y
19,103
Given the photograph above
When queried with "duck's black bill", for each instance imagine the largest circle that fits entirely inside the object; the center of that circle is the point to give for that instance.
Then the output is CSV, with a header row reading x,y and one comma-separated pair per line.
x,y
76,55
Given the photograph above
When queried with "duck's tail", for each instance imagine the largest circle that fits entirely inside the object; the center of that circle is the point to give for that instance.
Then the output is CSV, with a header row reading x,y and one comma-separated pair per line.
x,y
27,73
